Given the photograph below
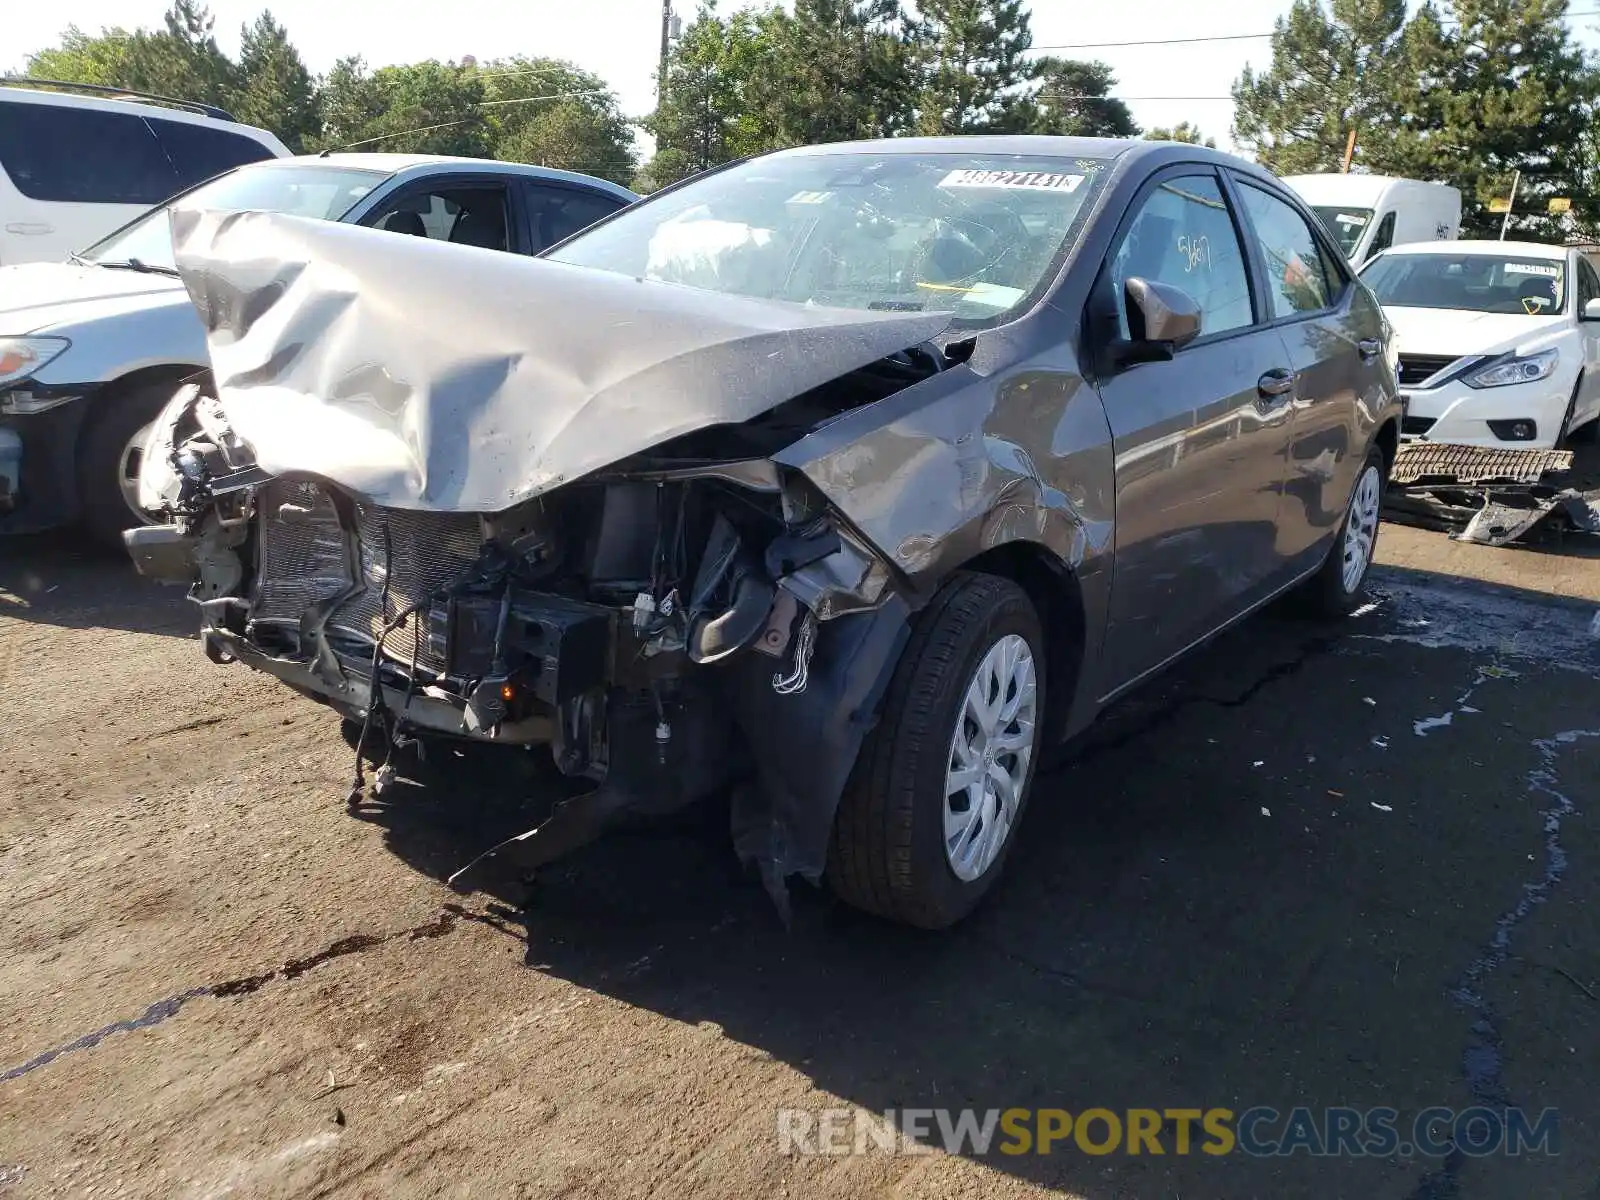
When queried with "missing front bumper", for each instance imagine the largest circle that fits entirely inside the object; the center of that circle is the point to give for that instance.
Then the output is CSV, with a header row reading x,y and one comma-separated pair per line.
x,y
1488,496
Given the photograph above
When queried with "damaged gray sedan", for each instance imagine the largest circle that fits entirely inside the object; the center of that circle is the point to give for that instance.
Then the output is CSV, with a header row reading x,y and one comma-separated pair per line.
x,y
843,480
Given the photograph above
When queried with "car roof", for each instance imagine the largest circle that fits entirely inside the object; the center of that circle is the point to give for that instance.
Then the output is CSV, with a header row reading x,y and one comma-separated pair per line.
x,y
417,165
131,103
1123,153
978,143
1486,247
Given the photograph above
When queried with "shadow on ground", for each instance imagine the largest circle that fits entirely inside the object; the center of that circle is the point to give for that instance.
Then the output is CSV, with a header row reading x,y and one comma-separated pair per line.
x,y
62,579
1255,883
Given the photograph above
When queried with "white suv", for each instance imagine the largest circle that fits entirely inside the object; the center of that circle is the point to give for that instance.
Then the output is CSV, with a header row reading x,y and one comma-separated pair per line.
x,y
74,168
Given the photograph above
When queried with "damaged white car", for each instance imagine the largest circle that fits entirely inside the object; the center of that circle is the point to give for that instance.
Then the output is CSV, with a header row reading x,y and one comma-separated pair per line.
x,y
841,480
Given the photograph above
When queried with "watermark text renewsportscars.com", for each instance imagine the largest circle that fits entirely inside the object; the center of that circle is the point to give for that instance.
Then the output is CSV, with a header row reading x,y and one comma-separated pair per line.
x,y
1258,1132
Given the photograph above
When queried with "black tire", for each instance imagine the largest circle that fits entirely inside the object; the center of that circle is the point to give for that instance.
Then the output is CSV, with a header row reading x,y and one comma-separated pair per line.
x,y
115,419
888,854
1325,594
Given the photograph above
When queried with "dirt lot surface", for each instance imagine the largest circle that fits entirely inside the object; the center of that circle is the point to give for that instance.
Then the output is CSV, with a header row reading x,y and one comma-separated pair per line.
x,y
1313,867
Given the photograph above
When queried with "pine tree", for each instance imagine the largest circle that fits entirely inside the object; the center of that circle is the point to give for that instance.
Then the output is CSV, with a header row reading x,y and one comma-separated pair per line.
x,y
1074,99
709,113
971,61
183,59
1333,70
276,91
1505,90
839,71
1181,132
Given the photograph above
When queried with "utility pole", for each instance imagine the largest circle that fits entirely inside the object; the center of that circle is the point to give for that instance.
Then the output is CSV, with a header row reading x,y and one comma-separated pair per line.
x,y
1349,151
1516,178
666,47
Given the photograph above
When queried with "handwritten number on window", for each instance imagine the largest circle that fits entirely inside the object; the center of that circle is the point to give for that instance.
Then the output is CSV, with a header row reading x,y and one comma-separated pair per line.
x,y
1196,252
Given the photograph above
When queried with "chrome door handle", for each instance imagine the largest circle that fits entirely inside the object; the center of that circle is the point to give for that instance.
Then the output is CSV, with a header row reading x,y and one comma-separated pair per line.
x,y
29,228
1276,382
1370,348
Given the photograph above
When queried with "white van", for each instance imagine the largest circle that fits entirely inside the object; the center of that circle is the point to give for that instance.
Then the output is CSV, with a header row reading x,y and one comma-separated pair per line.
x,y
74,168
1369,213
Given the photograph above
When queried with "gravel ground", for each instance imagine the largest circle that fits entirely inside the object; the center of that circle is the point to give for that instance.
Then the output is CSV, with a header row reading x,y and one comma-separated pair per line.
x,y
1311,867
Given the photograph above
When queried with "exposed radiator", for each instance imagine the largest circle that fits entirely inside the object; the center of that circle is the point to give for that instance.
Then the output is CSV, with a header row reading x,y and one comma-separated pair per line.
x,y
304,561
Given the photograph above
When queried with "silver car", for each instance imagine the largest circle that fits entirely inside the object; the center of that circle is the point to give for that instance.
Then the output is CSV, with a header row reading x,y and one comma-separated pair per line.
x,y
91,349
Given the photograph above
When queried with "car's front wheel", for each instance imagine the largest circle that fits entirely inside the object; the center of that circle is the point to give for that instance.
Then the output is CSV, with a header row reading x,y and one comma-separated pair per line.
x,y
109,462
930,813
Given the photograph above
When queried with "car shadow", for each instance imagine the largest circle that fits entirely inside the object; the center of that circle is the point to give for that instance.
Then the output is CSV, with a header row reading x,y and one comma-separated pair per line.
x,y
62,579
1214,906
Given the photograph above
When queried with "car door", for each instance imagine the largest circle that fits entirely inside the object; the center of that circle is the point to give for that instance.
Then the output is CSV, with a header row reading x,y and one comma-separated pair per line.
x,y
1333,332
556,211
474,209
1383,238
75,173
1199,441
1589,386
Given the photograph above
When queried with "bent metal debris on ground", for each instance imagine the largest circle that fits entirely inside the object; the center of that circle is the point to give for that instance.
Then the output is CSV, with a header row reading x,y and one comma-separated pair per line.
x,y
1489,496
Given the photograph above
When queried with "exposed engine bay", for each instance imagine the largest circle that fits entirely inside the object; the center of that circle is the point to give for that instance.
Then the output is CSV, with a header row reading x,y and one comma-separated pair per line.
x,y
690,620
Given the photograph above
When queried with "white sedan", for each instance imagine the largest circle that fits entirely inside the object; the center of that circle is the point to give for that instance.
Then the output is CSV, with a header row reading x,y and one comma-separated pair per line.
x,y
1499,342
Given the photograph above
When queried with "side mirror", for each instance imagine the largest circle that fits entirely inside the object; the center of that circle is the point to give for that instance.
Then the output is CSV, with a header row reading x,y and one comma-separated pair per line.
x,y
1162,320
1591,311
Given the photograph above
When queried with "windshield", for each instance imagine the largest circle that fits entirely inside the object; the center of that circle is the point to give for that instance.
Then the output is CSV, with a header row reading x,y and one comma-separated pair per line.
x,y
1346,224
975,235
1487,283
325,192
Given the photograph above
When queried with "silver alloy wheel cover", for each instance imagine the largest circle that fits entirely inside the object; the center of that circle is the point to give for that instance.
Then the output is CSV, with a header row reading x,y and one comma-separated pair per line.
x,y
991,750
1361,527
128,473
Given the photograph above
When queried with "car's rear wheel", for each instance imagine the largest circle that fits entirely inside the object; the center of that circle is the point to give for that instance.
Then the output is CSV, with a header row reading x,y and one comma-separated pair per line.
x,y
1335,590
109,462
927,821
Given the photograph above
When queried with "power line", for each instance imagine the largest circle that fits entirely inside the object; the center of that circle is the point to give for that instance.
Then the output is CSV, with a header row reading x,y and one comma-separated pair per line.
x,y
1221,37
1184,41
384,137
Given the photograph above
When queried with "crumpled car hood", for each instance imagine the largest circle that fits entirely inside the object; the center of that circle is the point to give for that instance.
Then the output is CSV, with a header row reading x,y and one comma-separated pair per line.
x,y
426,375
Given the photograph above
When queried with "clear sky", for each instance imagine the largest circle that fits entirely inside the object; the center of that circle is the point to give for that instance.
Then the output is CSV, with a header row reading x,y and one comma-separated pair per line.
x,y
620,39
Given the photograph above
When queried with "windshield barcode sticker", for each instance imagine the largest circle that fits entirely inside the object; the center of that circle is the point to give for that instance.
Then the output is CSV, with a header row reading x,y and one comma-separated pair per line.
x,y
1039,181
1512,268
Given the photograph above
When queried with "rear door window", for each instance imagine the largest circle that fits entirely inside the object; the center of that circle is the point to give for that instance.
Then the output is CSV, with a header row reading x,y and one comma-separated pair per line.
x,y
83,155
201,152
559,212
1300,276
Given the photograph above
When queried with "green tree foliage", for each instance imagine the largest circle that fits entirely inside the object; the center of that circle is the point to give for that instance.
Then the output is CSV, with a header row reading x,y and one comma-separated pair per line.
x,y
85,58
1181,132
971,66
554,114
181,59
1502,89
838,70
1074,99
276,91
712,110
1333,69
350,100
420,108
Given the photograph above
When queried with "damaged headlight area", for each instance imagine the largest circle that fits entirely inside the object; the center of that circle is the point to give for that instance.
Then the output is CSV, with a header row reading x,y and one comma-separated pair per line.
x,y
671,628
